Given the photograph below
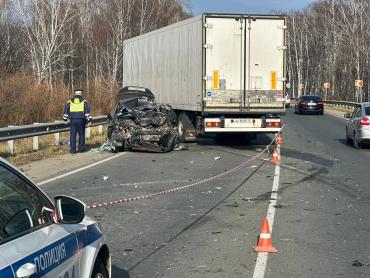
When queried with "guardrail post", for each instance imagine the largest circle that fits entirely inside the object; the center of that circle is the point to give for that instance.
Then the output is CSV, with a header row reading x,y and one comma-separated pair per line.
x,y
57,138
88,132
100,129
11,147
35,143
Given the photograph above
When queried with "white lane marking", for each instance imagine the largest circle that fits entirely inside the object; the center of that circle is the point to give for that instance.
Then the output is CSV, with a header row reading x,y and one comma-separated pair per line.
x,y
79,170
260,267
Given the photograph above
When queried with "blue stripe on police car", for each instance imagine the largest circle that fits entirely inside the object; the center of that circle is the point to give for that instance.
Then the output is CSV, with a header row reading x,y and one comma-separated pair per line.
x,y
55,254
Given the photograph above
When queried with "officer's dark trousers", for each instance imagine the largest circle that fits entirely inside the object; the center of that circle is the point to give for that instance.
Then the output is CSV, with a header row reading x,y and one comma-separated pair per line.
x,y
77,127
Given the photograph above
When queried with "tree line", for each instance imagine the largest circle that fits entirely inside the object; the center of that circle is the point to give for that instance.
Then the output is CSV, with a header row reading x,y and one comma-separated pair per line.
x,y
328,42
49,47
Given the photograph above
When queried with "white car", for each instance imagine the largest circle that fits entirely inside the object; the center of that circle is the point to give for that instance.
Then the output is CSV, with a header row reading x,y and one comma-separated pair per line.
x,y
358,125
39,238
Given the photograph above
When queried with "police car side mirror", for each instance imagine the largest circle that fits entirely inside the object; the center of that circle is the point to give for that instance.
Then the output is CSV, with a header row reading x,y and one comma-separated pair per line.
x,y
69,210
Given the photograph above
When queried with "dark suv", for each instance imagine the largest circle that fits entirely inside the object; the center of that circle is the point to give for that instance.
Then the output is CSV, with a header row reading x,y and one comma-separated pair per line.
x,y
309,104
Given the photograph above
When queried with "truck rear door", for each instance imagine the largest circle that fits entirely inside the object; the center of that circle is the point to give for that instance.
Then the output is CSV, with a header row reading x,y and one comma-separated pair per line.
x,y
244,64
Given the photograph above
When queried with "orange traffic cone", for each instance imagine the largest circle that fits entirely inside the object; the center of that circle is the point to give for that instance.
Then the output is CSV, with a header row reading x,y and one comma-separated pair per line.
x,y
264,240
275,157
279,139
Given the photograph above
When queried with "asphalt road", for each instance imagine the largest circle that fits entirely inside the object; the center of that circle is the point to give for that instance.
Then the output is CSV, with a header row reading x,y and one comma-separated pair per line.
x,y
324,224
321,224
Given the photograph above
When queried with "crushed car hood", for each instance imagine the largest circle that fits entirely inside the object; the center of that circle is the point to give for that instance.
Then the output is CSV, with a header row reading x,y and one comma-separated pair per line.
x,y
137,123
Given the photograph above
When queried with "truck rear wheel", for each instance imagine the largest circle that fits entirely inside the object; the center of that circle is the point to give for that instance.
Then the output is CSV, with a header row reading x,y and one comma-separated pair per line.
x,y
181,126
185,128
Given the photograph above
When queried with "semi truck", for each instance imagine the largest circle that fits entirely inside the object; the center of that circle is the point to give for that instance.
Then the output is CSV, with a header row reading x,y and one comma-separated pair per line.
x,y
221,73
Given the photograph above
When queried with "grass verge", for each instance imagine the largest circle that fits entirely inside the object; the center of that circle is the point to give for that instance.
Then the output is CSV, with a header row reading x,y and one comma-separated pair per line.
x,y
23,152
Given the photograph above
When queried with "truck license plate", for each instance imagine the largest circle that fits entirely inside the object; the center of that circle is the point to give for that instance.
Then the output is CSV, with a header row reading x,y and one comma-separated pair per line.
x,y
243,122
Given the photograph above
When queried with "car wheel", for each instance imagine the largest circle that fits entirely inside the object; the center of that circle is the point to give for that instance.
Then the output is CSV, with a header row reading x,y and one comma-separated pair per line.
x,y
99,271
348,140
356,143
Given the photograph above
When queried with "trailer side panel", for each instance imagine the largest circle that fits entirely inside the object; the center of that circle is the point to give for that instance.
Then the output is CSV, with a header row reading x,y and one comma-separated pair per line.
x,y
169,62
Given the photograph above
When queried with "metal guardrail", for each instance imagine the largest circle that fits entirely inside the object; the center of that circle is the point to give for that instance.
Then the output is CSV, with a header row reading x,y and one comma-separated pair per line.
x,y
335,102
341,103
12,133
19,132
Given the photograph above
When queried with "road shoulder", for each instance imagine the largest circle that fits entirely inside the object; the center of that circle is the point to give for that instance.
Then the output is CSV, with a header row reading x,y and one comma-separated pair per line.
x,y
51,167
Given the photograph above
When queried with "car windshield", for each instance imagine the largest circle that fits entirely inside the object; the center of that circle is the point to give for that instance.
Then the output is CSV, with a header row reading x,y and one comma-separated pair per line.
x,y
308,98
367,110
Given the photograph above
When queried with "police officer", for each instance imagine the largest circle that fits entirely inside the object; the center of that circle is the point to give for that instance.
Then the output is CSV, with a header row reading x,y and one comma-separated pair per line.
x,y
77,109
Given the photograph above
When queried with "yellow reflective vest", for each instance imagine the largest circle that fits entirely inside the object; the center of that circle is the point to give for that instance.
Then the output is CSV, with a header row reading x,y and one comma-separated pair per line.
x,y
76,105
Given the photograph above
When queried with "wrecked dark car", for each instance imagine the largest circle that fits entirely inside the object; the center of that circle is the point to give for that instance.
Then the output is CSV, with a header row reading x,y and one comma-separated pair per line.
x,y
137,123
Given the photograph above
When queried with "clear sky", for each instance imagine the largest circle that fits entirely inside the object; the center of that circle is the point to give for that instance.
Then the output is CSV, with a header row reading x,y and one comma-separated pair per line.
x,y
246,6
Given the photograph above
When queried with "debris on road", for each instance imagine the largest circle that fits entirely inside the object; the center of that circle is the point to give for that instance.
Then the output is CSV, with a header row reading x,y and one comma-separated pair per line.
x,y
214,233
105,178
217,158
250,200
105,147
181,147
137,123
357,263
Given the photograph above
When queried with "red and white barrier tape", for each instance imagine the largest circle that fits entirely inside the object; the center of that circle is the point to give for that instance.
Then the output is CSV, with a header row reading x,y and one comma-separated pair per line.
x,y
168,191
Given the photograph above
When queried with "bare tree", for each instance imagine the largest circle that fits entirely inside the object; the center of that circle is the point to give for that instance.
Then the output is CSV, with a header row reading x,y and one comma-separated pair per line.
x,y
328,42
46,23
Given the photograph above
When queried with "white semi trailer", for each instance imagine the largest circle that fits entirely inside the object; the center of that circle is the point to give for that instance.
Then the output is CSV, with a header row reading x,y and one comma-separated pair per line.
x,y
222,73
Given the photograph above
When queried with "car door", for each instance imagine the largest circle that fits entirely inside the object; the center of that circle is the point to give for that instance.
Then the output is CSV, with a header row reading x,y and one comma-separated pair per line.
x,y
351,123
5,268
30,241
356,120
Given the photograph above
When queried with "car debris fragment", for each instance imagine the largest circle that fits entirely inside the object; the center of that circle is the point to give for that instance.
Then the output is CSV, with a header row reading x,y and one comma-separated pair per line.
x,y
138,123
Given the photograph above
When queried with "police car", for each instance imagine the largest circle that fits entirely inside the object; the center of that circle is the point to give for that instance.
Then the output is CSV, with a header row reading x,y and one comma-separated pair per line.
x,y
41,238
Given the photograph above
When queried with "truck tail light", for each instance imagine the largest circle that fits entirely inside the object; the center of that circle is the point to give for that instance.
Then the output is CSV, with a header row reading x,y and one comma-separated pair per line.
x,y
365,121
213,124
273,124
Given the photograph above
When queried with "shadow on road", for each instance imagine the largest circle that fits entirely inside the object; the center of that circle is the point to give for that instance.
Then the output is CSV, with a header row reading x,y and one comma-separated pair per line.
x,y
344,142
119,273
300,155
236,141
